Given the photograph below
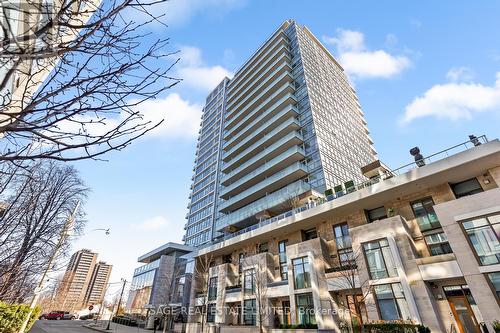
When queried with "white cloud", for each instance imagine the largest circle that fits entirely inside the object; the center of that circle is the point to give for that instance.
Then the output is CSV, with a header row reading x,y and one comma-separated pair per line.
x,y
154,223
360,62
454,101
460,74
195,73
179,12
182,119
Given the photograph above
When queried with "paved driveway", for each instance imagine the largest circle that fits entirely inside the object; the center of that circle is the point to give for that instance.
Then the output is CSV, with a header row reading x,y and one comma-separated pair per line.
x,y
59,326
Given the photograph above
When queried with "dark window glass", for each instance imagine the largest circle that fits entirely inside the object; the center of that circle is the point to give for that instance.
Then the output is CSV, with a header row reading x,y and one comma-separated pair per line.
x,y
344,244
263,247
425,215
305,309
310,234
438,244
212,289
301,273
249,312
467,187
495,282
211,313
379,258
376,214
391,301
282,259
249,282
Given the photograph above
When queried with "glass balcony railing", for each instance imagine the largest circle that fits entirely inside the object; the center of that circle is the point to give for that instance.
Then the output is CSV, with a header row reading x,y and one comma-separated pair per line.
x,y
263,154
287,124
243,107
267,202
258,132
261,170
302,187
259,115
297,167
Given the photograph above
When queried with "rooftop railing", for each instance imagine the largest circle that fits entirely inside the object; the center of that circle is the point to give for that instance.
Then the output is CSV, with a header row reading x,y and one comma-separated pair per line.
x,y
392,173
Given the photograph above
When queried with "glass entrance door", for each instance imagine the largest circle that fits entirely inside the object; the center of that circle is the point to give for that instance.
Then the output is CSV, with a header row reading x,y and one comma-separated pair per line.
x,y
463,314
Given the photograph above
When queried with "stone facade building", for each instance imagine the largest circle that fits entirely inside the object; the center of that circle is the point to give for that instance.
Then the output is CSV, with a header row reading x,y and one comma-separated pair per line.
x,y
419,243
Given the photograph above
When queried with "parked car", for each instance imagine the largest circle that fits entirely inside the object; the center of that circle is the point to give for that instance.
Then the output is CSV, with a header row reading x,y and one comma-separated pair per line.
x,y
88,316
59,315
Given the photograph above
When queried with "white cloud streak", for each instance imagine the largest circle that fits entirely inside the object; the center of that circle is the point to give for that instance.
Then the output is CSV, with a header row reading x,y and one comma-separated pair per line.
x,y
360,62
454,101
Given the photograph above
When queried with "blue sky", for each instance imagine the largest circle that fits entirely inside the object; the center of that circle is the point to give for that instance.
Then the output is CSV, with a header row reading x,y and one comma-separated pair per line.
x,y
425,73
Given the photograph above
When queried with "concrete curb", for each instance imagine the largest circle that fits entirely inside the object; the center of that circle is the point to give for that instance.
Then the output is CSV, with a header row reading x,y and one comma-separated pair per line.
x,y
96,328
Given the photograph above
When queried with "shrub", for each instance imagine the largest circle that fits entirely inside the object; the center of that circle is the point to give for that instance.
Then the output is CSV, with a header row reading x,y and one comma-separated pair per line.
x,y
13,315
300,326
496,326
395,327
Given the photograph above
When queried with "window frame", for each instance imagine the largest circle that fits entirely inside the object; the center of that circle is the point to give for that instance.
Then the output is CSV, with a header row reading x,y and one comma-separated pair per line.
x,y
212,288
252,313
249,273
429,246
383,258
310,306
394,299
306,272
490,225
476,191
422,200
367,213
283,263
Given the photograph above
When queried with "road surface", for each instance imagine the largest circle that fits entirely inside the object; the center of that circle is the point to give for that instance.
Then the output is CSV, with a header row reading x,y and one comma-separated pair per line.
x,y
60,326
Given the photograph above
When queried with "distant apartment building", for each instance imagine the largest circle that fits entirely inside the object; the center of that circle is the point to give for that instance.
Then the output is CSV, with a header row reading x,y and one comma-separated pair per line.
x,y
161,281
84,282
419,243
289,127
98,283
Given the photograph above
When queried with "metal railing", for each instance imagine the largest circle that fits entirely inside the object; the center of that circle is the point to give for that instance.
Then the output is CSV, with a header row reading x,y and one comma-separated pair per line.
x,y
392,173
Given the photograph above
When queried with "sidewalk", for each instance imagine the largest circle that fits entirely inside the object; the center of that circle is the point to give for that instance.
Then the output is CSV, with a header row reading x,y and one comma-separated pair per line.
x,y
101,325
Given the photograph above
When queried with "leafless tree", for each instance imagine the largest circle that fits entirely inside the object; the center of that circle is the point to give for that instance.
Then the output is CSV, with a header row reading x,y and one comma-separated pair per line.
x,y
260,277
72,73
201,279
37,206
348,281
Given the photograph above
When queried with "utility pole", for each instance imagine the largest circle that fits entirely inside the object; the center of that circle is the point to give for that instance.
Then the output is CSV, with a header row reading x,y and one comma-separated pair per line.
x,y
38,290
119,303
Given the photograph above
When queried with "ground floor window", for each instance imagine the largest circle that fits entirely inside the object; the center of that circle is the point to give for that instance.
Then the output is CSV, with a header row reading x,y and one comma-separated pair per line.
x,y
305,309
391,302
211,313
249,312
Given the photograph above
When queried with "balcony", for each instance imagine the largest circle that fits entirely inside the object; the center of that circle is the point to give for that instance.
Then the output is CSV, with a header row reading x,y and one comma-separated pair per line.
x,y
237,166
286,176
266,140
243,108
290,156
266,129
276,100
282,109
247,67
269,201
277,58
